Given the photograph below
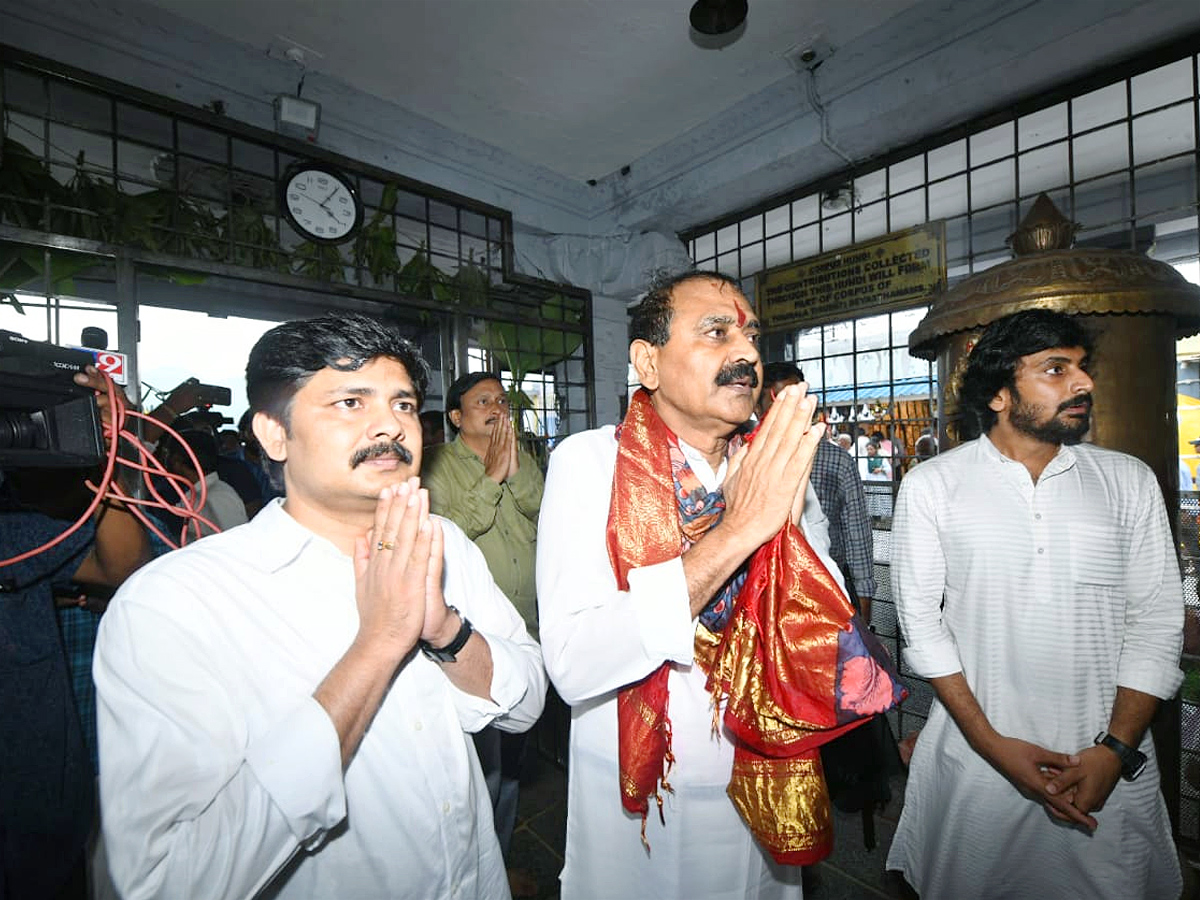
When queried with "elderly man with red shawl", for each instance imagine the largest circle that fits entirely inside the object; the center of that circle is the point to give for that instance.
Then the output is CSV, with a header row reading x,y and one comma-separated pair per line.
x,y
692,618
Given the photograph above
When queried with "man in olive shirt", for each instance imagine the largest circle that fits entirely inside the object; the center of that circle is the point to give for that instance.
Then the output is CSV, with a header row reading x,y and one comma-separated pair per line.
x,y
484,483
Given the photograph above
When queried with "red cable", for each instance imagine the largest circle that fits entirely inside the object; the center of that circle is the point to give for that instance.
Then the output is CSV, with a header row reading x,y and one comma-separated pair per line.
x,y
149,466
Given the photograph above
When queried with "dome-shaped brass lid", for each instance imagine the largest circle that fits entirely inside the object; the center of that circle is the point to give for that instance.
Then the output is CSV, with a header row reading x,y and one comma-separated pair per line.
x,y
1076,281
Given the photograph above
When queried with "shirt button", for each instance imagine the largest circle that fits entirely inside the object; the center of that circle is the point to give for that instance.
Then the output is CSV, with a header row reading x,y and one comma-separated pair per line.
x,y
1041,549
446,807
1037,515
417,726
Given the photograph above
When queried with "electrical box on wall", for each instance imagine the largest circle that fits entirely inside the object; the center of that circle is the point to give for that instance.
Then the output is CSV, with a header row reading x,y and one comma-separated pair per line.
x,y
295,117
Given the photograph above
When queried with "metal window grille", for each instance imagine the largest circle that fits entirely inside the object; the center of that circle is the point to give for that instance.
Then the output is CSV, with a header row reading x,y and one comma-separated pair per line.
x,y
1116,151
90,166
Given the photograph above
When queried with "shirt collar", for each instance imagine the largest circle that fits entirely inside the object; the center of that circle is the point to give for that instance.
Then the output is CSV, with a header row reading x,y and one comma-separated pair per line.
x,y
1063,460
273,539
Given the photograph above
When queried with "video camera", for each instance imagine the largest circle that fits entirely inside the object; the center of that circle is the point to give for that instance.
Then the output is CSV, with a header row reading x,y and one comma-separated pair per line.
x,y
45,418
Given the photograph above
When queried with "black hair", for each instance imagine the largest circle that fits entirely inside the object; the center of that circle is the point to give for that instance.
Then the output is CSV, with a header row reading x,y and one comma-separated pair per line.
x,y
650,320
288,355
781,371
993,362
465,383
202,443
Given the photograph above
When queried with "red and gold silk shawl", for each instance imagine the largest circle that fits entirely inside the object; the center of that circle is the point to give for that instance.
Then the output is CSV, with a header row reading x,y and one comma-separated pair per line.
x,y
792,665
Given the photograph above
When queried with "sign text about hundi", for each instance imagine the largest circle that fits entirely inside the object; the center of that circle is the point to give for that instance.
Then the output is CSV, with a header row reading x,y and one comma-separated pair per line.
x,y
892,271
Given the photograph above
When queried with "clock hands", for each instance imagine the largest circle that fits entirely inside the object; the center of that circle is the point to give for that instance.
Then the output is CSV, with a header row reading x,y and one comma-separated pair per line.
x,y
329,211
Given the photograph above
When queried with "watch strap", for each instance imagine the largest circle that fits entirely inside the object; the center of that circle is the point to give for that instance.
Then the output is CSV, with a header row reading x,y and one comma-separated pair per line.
x,y
1132,759
450,652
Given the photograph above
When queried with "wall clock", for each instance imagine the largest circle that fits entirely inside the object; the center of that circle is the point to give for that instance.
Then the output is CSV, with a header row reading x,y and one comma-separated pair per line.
x,y
320,202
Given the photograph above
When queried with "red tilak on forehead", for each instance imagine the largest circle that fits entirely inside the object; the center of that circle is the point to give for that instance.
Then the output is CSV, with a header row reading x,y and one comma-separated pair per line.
x,y
741,315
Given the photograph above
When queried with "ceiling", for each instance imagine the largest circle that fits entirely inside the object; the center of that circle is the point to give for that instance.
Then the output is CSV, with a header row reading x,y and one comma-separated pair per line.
x,y
581,87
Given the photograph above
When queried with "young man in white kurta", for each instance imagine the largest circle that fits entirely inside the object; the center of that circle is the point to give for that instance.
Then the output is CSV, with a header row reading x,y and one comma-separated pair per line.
x,y
695,348
1058,590
283,708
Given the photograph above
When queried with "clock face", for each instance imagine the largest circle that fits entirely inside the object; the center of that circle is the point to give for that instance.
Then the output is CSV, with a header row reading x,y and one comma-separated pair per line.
x,y
320,203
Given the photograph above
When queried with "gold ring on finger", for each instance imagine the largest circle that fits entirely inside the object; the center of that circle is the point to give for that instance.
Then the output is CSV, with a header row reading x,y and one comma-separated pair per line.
x,y
385,545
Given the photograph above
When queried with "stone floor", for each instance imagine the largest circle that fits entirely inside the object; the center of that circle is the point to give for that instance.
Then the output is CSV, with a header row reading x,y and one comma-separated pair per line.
x,y
850,873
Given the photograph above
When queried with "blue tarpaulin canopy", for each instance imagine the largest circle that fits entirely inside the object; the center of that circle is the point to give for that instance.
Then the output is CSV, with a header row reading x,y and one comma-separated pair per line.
x,y
877,390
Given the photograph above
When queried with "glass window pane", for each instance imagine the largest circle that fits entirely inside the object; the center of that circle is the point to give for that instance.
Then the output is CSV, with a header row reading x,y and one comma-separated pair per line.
x,y
1163,85
195,140
752,259
727,239
1103,204
836,232
1164,190
870,187
778,220
870,221
907,210
1044,169
1100,152
80,106
1042,127
779,250
839,338
991,144
806,242
727,264
1164,133
948,160
808,342
806,210
137,124
948,198
25,92
907,174
751,230
992,184
873,332
705,247
1098,108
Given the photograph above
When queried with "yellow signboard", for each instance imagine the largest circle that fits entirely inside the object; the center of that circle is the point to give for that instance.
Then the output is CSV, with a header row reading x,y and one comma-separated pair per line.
x,y
896,270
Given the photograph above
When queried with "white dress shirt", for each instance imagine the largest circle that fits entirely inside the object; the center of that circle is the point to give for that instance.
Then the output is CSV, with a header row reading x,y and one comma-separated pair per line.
x,y
1054,593
222,505
219,770
597,639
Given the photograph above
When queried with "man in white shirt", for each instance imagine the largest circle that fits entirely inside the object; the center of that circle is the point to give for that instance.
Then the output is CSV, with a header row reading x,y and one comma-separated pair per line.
x,y
694,343
1038,590
223,508
284,709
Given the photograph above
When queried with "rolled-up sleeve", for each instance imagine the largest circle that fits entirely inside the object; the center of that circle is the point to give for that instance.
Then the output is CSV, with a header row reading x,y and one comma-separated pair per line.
x,y
518,688
1154,600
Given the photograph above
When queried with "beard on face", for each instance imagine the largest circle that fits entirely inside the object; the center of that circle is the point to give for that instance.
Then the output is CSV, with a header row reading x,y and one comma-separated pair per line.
x,y
384,448
1024,418
735,371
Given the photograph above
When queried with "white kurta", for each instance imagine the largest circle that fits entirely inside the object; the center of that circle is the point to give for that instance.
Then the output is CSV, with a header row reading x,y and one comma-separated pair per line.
x,y
597,639
218,769
1055,593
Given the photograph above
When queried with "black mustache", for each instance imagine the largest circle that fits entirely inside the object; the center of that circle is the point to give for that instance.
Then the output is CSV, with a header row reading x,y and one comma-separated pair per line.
x,y
1077,400
732,373
386,448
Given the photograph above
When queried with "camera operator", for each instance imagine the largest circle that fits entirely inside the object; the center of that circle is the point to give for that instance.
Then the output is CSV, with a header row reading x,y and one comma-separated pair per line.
x,y
46,789
180,411
223,506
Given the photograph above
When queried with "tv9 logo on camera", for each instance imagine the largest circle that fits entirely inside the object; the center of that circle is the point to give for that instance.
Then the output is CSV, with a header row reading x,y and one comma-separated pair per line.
x,y
113,364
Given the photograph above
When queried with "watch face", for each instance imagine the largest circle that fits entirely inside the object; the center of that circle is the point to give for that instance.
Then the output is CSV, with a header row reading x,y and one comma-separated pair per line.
x,y
320,203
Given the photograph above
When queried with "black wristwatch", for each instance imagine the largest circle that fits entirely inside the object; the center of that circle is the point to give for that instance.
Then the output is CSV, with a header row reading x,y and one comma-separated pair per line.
x,y
449,653
1132,759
